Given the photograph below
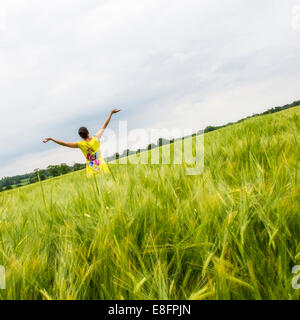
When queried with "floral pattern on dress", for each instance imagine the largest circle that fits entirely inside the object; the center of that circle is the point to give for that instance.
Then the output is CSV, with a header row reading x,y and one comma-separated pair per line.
x,y
94,159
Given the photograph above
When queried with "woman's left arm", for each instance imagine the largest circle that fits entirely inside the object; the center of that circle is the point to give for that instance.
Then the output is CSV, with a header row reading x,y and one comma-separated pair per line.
x,y
100,132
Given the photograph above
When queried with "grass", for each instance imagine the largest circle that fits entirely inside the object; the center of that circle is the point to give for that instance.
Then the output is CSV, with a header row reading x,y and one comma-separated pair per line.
x,y
152,232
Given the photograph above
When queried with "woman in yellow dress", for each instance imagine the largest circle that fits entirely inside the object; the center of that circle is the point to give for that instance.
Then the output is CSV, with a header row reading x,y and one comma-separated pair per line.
x,y
90,147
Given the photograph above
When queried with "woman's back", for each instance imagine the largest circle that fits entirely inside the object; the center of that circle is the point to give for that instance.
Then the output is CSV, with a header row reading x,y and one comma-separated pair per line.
x,y
91,151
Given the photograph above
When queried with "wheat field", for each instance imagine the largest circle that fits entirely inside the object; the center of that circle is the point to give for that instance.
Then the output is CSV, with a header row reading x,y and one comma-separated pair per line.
x,y
152,232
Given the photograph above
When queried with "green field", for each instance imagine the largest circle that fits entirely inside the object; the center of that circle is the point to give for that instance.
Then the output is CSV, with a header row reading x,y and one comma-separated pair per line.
x,y
152,232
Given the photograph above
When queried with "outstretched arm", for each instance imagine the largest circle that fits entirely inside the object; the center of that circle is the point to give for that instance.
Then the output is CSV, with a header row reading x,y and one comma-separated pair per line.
x,y
62,143
100,132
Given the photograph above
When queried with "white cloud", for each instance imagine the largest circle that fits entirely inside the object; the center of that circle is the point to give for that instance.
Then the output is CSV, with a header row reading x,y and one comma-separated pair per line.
x,y
173,64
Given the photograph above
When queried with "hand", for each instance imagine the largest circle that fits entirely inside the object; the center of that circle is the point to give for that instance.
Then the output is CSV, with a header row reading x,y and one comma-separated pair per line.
x,y
115,111
47,139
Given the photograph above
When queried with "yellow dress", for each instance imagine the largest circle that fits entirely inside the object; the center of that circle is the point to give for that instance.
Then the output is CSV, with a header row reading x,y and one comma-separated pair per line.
x,y
94,161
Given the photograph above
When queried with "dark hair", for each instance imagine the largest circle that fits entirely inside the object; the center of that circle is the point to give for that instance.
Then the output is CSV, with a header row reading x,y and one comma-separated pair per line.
x,y
83,132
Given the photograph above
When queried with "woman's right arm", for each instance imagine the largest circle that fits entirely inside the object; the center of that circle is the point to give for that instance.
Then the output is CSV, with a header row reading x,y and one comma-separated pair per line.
x,y
62,143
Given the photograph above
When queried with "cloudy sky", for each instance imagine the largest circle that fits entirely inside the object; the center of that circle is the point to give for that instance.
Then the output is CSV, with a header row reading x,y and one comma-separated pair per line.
x,y
166,64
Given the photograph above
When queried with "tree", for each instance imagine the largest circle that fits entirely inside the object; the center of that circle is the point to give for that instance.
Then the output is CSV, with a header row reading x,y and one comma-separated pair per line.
x,y
43,175
33,179
151,146
210,128
126,153
54,170
162,141
64,168
38,176
77,166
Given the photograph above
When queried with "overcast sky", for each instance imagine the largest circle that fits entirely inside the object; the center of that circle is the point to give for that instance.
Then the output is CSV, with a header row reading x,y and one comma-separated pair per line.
x,y
166,63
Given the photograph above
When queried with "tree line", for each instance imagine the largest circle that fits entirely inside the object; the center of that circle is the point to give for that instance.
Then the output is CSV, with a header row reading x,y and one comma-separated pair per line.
x,y
52,171
269,111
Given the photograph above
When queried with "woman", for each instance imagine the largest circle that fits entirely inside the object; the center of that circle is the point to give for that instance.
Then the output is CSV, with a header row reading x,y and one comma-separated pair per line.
x,y
90,147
